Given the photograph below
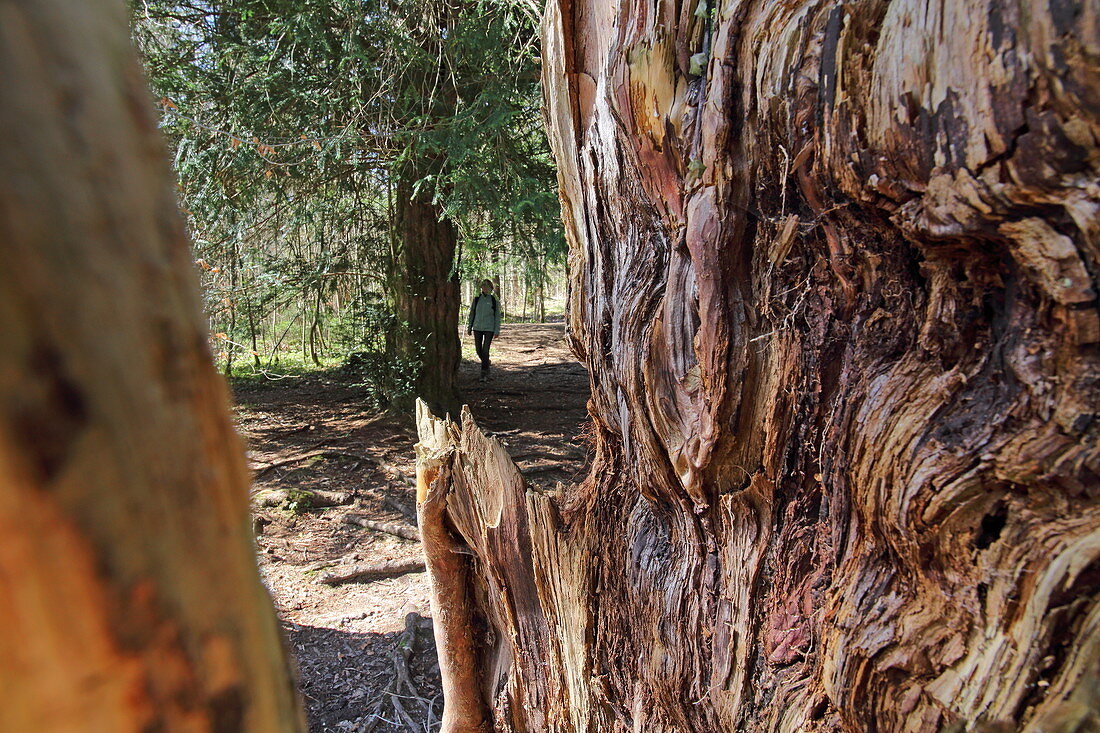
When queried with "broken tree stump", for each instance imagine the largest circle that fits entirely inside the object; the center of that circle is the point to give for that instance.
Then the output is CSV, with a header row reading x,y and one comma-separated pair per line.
x,y
471,503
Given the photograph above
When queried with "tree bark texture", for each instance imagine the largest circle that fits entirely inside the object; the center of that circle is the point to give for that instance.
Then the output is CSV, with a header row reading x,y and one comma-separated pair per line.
x,y
427,296
131,600
832,272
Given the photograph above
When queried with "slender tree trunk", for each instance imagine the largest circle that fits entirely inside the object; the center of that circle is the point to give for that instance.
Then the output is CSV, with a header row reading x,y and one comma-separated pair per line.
x,y
833,274
131,600
315,329
304,326
427,296
495,274
232,305
252,332
542,275
526,296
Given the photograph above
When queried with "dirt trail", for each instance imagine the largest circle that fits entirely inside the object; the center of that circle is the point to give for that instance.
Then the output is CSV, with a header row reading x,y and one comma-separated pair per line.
x,y
535,401
312,434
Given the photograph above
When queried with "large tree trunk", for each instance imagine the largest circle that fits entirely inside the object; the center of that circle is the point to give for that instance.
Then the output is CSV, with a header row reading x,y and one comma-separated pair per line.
x,y
427,296
832,272
131,600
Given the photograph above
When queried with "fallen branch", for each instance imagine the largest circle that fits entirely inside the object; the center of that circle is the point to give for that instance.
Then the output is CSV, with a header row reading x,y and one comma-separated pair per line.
x,y
320,565
403,652
374,716
403,714
545,469
402,679
393,528
374,571
347,454
546,454
401,509
326,453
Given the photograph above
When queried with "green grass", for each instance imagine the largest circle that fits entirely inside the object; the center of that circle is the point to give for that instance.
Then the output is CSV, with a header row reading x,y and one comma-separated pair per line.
x,y
291,365
468,351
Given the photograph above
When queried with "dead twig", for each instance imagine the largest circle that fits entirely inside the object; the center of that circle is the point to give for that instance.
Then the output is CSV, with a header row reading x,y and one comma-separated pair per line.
x,y
545,469
402,653
321,565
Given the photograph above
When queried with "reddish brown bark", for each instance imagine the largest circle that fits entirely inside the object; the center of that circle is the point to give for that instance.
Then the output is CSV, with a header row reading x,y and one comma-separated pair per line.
x,y
833,275
427,297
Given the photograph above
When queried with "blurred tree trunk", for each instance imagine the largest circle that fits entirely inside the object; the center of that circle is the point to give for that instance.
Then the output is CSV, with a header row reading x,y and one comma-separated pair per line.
x,y
833,274
131,600
427,295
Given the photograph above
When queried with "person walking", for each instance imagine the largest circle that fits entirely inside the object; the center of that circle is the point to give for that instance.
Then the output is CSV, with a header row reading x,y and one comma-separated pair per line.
x,y
484,324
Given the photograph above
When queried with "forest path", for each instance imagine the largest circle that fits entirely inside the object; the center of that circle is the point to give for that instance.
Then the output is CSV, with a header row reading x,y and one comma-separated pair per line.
x,y
535,401
312,434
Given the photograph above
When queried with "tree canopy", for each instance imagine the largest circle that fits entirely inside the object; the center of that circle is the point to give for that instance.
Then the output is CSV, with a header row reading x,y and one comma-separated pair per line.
x,y
292,125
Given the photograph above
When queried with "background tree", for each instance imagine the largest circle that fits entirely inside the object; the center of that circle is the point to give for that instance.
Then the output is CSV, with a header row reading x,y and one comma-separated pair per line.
x,y
344,164
834,280
131,596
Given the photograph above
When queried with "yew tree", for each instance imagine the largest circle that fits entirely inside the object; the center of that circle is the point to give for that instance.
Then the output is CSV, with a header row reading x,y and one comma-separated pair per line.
x,y
833,271
341,160
131,599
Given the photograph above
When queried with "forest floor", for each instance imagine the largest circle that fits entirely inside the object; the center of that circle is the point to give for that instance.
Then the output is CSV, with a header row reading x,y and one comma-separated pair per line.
x,y
311,441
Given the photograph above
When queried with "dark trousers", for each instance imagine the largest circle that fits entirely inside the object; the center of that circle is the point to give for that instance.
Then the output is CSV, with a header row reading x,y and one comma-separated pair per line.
x,y
482,339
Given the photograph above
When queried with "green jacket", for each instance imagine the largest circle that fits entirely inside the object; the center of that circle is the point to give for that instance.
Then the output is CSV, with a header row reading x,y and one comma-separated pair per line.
x,y
485,314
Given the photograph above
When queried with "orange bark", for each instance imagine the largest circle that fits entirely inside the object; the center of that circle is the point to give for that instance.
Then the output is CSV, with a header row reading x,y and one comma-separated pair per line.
x,y
131,596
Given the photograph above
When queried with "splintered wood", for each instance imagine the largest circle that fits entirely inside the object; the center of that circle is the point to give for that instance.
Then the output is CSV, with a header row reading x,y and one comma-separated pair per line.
x,y
452,579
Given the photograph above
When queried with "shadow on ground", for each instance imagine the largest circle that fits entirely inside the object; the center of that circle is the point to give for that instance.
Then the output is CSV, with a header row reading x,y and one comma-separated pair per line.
x,y
352,682
535,402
